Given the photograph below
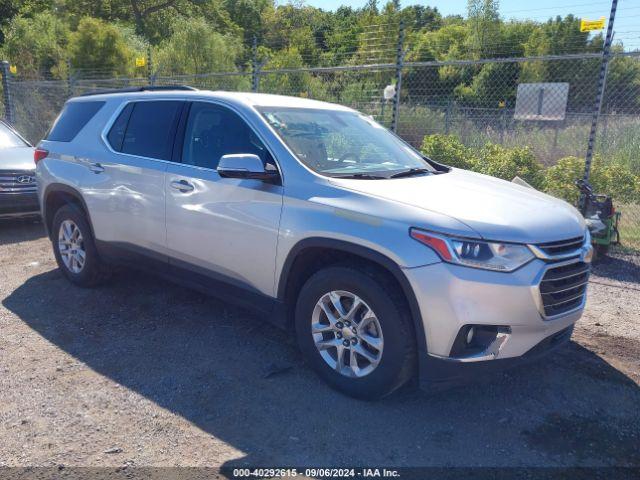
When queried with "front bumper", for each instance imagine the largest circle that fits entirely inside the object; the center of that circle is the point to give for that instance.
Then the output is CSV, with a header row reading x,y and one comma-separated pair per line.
x,y
451,297
14,205
439,372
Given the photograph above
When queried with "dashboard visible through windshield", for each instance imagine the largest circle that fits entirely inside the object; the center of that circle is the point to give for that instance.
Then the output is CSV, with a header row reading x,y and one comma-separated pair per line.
x,y
344,144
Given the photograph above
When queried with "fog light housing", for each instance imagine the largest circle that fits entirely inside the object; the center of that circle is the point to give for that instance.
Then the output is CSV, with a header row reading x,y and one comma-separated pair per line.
x,y
472,340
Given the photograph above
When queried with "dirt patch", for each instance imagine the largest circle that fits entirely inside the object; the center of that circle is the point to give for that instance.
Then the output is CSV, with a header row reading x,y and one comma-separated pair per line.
x,y
601,439
141,372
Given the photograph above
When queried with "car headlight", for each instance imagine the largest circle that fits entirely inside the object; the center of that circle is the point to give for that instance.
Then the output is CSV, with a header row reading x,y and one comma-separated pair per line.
x,y
498,256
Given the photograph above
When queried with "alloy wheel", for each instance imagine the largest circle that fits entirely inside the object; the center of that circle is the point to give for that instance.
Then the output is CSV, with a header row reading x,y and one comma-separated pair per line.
x,y
347,333
71,246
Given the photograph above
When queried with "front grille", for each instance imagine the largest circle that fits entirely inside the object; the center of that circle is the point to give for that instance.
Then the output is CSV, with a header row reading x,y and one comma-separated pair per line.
x,y
560,247
563,288
10,181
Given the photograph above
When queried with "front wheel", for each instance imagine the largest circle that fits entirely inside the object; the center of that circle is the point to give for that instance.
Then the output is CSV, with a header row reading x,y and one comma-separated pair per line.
x,y
355,331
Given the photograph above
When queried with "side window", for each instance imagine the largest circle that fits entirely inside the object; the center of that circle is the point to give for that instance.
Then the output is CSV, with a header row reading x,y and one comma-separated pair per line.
x,y
74,116
116,134
151,129
213,131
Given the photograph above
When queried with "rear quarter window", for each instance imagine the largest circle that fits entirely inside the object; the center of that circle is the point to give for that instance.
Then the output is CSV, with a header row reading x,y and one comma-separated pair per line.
x,y
72,119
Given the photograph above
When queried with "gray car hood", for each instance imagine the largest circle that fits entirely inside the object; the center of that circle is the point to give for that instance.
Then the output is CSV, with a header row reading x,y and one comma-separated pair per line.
x,y
494,208
17,158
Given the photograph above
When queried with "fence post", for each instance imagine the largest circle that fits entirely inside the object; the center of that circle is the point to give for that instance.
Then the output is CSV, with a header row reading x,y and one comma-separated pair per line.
x,y
255,67
602,81
71,80
151,78
447,117
6,88
399,65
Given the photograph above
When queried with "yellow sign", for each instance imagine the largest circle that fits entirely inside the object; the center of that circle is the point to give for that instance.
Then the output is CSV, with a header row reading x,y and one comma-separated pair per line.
x,y
141,61
589,25
13,69
502,104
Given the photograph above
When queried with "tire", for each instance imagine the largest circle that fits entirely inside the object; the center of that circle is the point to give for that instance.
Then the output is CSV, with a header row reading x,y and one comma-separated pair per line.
x,y
92,272
396,362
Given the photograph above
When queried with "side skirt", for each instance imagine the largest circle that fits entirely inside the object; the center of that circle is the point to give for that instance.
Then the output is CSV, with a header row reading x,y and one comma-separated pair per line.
x,y
194,277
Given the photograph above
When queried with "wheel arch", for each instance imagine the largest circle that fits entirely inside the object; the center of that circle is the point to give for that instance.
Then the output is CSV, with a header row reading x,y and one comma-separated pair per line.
x,y
56,196
311,254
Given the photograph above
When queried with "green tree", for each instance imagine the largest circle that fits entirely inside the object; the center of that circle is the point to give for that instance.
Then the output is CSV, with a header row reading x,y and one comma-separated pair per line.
x,y
484,26
294,83
196,48
37,45
103,47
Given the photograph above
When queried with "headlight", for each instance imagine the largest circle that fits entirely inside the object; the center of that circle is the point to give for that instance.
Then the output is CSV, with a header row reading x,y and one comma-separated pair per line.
x,y
498,256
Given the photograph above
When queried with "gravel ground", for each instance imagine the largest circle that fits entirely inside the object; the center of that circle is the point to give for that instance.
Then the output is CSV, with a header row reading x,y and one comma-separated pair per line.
x,y
141,372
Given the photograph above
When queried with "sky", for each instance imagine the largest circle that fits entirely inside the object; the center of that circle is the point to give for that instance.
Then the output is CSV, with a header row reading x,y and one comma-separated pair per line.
x,y
627,24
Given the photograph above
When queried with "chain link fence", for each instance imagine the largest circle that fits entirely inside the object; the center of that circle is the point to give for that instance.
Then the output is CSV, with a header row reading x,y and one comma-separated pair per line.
x,y
543,103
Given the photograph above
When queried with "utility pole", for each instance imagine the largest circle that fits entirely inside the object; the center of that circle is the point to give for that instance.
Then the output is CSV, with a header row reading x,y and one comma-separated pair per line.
x,y
602,81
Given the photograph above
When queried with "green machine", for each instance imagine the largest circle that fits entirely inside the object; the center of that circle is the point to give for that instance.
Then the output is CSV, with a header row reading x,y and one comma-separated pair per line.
x,y
600,216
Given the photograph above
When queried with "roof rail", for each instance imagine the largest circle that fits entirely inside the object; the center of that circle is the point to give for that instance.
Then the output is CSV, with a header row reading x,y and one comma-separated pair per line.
x,y
148,88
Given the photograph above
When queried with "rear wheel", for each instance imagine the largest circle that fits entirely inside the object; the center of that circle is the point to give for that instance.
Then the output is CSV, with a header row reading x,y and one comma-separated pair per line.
x,y
74,247
355,331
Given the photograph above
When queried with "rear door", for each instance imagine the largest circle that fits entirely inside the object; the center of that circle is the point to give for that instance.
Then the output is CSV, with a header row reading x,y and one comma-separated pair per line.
x,y
223,228
125,193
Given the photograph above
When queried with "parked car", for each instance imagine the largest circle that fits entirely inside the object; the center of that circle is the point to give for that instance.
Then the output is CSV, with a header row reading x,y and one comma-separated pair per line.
x,y
382,263
18,194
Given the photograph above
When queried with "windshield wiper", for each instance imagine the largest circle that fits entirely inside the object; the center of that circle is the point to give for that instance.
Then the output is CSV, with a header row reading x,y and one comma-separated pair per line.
x,y
411,172
362,176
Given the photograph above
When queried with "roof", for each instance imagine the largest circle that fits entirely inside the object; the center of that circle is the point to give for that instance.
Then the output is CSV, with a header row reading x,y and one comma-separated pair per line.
x,y
246,98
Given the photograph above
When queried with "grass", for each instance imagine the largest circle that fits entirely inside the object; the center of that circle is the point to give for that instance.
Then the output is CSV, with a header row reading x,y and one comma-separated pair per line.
x,y
629,227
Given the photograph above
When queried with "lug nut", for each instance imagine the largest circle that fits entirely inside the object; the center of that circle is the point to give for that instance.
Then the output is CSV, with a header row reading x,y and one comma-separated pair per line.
x,y
339,325
345,343
339,335
354,341
347,323
354,330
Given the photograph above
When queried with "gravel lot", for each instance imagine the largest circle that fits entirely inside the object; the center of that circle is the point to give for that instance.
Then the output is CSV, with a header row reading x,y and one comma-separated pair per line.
x,y
141,372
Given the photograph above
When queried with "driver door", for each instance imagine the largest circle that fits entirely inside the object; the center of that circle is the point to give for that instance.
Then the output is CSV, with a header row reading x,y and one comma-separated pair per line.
x,y
221,228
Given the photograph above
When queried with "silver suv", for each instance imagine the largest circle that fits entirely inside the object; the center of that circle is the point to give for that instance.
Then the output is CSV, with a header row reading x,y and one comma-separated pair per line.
x,y
386,265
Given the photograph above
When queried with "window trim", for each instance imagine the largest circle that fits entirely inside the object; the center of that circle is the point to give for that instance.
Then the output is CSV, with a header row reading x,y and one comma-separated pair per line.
x,y
178,139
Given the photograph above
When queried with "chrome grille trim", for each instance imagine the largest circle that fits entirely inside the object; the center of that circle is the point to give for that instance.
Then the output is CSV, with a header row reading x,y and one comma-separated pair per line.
x,y
561,249
10,185
563,288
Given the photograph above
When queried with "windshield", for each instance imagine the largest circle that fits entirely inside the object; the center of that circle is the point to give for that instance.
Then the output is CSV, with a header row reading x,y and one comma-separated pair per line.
x,y
344,144
9,139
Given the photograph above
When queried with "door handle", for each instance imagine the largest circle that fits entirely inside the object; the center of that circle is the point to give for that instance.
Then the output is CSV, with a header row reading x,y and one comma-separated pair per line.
x,y
96,168
182,185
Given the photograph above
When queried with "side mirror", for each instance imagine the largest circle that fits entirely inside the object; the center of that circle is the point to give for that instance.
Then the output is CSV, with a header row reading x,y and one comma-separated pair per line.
x,y
246,166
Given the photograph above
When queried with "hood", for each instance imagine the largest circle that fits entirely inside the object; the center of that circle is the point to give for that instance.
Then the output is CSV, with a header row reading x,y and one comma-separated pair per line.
x,y
17,158
494,208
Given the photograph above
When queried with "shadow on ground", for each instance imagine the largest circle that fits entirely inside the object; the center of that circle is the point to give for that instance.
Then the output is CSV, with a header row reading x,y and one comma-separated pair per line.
x,y
20,230
244,382
619,267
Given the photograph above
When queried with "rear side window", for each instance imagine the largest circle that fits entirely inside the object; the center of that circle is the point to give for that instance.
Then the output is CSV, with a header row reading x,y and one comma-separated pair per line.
x,y
150,130
72,119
